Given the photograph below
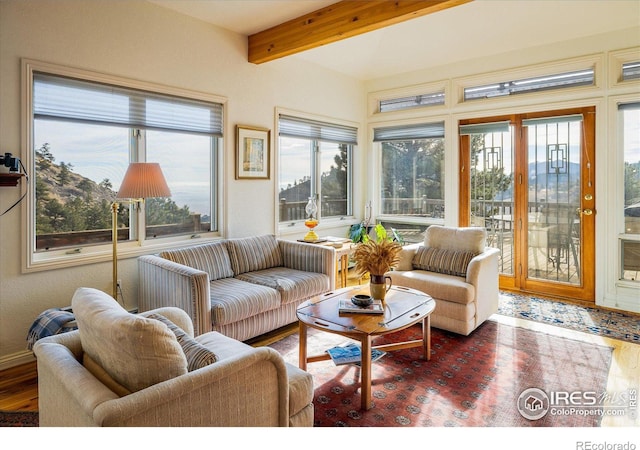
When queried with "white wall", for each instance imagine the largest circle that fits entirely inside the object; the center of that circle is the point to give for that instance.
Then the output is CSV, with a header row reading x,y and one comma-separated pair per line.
x,y
142,41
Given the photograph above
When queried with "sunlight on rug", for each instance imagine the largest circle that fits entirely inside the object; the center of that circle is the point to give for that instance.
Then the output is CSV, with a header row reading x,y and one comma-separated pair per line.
x,y
472,381
610,324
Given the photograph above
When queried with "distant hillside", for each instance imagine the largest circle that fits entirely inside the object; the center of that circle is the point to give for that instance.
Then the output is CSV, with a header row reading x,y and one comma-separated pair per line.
x,y
63,185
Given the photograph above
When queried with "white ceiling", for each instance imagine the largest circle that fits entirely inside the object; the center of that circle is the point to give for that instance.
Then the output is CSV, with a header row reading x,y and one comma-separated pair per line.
x,y
478,29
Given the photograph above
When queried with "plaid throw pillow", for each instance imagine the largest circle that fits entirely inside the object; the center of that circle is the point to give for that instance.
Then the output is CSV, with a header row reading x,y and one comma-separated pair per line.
x,y
198,356
440,260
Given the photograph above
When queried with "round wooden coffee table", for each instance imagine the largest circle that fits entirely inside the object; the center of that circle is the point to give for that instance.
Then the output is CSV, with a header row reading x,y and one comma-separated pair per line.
x,y
403,307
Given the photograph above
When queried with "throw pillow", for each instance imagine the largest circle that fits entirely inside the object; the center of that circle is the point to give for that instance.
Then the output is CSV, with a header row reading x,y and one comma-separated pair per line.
x,y
254,253
135,351
198,356
211,258
449,262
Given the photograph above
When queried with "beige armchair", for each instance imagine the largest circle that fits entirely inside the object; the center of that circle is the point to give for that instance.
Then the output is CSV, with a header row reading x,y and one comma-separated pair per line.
x,y
458,271
121,369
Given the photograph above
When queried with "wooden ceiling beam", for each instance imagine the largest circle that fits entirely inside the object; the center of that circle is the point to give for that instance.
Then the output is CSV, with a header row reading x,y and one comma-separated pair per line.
x,y
335,22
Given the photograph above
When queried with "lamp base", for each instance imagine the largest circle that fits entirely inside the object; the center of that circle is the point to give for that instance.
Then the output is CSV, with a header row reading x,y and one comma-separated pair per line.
x,y
311,236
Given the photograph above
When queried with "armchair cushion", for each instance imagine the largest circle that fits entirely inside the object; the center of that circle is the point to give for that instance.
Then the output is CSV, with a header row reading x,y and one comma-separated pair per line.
x,y
254,253
135,351
211,258
470,239
441,260
198,356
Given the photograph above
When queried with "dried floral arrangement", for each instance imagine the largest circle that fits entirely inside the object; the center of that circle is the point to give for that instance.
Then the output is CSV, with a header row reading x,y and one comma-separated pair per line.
x,y
377,257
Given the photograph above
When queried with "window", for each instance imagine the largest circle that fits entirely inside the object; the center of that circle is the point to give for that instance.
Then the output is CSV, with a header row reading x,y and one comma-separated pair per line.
x,y
412,170
84,135
631,71
557,81
315,160
413,101
630,243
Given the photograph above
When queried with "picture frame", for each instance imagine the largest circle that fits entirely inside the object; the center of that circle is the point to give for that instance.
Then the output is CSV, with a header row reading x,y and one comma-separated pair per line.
x,y
252,153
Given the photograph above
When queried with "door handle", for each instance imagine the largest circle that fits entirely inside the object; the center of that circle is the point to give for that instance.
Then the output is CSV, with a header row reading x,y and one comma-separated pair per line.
x,y
587,212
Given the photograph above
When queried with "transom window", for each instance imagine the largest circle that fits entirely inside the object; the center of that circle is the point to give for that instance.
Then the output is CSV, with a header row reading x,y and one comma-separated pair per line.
x,y
527,85
84,135
315,160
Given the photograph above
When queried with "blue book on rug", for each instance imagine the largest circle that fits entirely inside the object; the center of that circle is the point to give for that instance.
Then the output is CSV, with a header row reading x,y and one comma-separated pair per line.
x,y
349,353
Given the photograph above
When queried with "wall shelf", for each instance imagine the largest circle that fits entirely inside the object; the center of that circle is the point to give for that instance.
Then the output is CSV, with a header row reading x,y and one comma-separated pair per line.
x,y
10,179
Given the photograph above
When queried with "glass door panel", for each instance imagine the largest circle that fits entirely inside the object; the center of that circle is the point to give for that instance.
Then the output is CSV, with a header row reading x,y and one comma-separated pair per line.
x,y
554,192
491,192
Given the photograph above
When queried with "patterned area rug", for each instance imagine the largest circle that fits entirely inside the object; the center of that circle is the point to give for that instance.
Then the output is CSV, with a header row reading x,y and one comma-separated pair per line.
x,y
472,381
18,419
610,324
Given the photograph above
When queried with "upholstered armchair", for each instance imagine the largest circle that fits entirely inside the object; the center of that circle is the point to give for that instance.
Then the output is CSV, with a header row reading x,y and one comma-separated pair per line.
x,y
147,370
455,267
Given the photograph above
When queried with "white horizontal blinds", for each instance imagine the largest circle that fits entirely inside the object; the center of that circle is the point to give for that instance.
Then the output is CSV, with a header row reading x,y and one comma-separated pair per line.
x,y
584,77
483,128
628,106
413,101
550,120
64,98
297,127
408,132
631,71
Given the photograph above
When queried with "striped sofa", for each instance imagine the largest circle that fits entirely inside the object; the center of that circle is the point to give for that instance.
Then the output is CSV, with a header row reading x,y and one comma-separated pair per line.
x,y
241,287
455,267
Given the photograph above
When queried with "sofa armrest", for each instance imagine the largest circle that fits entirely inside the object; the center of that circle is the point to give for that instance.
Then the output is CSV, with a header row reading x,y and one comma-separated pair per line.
x,y
482,272
250,389
64,385
166,283
309,258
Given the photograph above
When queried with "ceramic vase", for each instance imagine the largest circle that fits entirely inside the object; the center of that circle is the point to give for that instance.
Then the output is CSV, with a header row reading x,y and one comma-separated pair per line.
x,y
379,285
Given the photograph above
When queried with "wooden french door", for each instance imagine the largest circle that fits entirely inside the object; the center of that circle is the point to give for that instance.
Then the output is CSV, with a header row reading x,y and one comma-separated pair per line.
x,y
529,179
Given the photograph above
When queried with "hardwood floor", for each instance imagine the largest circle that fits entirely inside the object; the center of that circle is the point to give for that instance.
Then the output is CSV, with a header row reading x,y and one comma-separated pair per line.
x,y
19,388
19,385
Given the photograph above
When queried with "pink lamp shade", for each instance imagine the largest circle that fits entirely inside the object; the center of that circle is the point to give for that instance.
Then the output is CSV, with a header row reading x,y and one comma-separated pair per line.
x,y
143,180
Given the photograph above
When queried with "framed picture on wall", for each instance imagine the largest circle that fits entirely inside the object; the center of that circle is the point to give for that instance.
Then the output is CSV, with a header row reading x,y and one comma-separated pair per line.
x,y
252,153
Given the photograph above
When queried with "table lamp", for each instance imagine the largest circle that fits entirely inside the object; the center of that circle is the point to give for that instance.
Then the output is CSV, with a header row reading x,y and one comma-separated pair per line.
x,y
141,181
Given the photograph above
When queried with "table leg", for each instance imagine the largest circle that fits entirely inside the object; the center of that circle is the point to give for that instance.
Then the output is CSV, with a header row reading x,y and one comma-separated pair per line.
x,y
365,373
426,337
302,345
344,266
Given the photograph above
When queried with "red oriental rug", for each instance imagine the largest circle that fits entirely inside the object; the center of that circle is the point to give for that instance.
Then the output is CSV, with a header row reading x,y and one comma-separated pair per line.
x,y
472,381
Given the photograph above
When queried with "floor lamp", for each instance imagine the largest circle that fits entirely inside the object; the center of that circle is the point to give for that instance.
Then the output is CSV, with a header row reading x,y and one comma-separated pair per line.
x,y
141,181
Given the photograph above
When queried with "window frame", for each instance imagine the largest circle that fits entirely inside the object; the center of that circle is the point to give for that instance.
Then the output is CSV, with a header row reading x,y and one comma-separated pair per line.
x,y
297,226
377,152
34,261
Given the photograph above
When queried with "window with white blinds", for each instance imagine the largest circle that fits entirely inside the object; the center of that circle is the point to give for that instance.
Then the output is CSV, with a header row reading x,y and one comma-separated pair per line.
x,y
315,160
412,171
84,135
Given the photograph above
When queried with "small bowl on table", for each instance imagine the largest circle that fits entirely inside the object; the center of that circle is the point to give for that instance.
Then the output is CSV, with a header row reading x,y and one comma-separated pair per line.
x,y
361,300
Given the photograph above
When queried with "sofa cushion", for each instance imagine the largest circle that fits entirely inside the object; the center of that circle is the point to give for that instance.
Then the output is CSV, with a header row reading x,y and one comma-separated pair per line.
x,y
135,351
211,258
293,285
233,300
254,253
468,239
450,262
197,355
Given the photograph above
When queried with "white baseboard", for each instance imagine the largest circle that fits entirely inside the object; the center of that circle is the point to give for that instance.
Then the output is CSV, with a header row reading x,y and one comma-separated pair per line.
x,y
16,359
